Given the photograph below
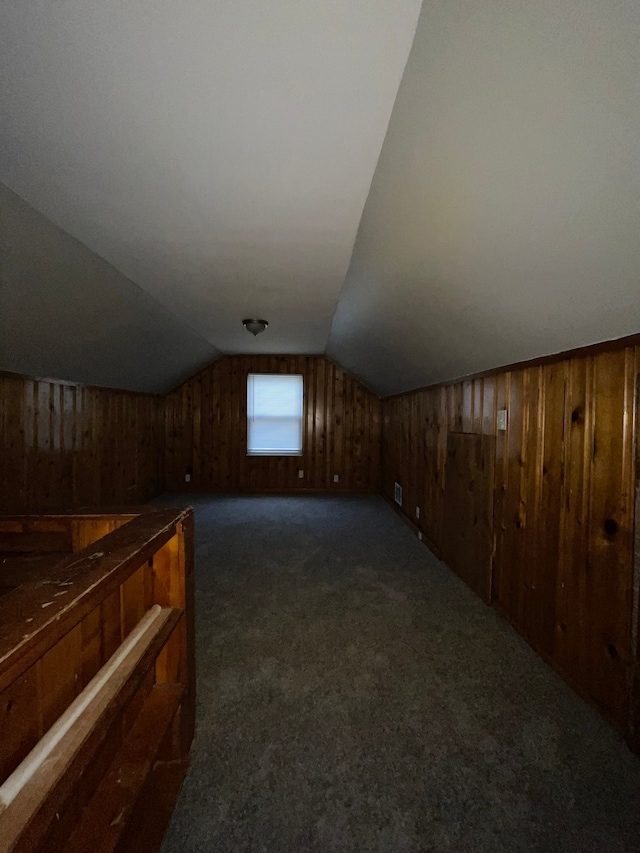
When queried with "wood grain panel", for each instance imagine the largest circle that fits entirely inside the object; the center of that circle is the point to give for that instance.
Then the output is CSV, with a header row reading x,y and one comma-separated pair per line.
x,y
206,430
20,719
467,522
563,505
64,445
61,676
608,579
552,499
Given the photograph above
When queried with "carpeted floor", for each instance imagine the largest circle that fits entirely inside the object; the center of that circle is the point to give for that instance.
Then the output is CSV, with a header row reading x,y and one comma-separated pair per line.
x,y
354,695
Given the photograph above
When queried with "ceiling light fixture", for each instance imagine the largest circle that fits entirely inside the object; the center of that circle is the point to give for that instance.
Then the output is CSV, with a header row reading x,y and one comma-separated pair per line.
x,y
255,326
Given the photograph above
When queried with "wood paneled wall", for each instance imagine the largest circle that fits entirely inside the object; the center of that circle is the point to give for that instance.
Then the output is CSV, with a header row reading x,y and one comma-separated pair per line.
x,y
63,445
206,430
563,505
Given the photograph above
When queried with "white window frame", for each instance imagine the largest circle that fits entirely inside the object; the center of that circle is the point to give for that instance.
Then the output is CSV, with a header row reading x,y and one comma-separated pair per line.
x,y
251,416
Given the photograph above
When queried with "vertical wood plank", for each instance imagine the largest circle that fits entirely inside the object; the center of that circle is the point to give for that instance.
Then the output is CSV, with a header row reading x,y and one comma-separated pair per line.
x,y
63,446
20,720
60,675
564,487
550,510
341,430
609,578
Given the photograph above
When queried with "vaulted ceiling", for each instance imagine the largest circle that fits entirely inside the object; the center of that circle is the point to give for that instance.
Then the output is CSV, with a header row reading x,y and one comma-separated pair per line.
x,y
503,221
171,168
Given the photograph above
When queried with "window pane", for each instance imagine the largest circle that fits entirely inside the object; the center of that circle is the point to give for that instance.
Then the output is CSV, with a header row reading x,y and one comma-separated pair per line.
x,y
273,435
276,396
274,414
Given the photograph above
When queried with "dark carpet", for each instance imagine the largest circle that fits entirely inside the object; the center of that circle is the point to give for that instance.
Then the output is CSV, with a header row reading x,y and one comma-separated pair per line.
x,y
354,695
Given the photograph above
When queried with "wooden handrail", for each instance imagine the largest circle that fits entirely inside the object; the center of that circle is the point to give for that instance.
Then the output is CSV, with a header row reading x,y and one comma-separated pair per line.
x,y
35,616
33,781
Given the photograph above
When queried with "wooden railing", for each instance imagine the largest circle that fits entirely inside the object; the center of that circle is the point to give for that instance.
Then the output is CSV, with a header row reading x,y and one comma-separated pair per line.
x,y
96,678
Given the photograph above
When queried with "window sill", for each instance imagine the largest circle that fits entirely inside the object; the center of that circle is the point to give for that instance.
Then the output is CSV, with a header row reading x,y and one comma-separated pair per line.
x,y
275,454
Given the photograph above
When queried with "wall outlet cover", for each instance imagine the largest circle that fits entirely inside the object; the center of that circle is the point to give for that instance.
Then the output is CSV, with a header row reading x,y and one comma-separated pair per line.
x,y
187,478
336,478
397,494
417,512
420,535
502,419
300,473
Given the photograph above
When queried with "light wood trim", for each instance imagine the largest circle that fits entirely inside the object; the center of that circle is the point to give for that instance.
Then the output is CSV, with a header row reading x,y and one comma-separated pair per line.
x,y
32,782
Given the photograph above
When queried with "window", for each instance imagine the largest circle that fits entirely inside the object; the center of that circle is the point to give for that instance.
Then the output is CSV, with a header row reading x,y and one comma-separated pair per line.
x,y
274,414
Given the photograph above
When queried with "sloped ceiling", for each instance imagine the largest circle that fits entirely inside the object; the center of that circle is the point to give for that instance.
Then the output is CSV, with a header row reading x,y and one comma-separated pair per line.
x,y
503,221
217,153
68,314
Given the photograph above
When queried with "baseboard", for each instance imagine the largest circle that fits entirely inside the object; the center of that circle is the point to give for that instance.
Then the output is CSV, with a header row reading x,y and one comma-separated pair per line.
x,y
415,528
184,489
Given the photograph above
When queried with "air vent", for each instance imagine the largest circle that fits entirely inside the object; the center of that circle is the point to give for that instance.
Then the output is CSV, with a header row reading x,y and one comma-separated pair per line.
x,y
397,494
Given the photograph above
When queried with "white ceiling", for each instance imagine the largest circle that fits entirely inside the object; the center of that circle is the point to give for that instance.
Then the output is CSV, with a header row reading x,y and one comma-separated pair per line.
x,y
503,221
218,154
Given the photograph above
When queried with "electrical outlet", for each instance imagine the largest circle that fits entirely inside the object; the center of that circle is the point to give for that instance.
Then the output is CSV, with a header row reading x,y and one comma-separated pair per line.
x,y
420,535
417,512
502,419
187,478
300,474
336,478
397,493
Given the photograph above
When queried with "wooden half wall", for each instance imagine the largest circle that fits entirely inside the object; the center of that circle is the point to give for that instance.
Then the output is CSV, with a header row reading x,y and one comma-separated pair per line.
x,y
206,430
64,445
563,485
